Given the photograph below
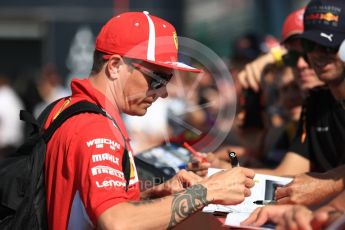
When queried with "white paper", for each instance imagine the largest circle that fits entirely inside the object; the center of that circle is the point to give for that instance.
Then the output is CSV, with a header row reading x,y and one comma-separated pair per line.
x,y
263,190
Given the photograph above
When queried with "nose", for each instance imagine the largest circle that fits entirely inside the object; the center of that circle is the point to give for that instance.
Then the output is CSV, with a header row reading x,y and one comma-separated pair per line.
x,y
302,63
162,92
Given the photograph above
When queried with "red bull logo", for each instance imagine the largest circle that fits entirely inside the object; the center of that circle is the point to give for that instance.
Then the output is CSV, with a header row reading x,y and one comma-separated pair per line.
x,y
330,17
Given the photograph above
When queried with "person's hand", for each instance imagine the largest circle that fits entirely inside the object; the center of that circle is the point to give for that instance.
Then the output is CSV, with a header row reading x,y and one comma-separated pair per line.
x,y
298,217
250,76
272,213
306,189
325,216
229,186
201,168
198,167
179,182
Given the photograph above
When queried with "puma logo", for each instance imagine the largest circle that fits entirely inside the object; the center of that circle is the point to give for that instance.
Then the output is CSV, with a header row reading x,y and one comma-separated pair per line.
x,y
328,36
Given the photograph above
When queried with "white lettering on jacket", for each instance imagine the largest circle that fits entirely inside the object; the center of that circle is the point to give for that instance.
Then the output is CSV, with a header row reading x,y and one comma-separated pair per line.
x,y
99,142
105,157
106,170
110,183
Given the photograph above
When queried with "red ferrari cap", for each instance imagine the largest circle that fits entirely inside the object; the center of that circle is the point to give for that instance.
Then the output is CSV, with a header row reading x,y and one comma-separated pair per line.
x,y
293,24
142,36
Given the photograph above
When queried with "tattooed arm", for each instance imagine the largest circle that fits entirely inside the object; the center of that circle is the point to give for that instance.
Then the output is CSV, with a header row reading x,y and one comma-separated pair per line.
x,y
227,187
159,213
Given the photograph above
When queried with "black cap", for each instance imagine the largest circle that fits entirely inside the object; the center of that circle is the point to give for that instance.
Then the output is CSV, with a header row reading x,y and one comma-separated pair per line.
x,y
324,22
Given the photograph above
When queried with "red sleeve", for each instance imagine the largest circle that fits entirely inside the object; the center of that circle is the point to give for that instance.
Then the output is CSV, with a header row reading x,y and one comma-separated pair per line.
x,y
100,179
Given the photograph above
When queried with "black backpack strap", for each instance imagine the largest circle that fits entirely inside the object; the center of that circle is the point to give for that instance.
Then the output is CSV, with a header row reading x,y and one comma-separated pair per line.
x,y
29,118
39,122
33,130
77,108
83,107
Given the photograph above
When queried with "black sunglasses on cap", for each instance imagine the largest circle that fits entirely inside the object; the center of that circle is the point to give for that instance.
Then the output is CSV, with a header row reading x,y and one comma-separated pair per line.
x,y
310,46
158,79
292,56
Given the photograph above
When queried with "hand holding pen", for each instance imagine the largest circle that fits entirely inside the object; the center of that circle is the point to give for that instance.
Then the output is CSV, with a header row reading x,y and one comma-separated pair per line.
x,y
199,164
196,154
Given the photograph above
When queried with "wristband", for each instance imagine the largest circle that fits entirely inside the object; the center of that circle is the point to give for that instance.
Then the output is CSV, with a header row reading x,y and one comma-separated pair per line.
x,y
277,55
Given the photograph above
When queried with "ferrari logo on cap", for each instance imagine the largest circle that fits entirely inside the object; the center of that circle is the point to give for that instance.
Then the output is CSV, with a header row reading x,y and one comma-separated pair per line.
x,y
175,39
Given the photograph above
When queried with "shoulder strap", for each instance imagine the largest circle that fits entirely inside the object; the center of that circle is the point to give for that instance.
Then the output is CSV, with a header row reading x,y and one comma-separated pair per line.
x,y
77,108
39,122
83,107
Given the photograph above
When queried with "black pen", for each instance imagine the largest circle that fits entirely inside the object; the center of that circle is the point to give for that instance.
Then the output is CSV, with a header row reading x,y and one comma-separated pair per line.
x,y
264,202
233,159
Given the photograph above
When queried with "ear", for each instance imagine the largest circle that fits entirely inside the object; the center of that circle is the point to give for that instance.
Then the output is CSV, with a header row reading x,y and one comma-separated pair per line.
x,y
113,66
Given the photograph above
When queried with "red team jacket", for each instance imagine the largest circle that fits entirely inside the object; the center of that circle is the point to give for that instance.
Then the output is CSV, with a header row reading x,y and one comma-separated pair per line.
x,y
83,166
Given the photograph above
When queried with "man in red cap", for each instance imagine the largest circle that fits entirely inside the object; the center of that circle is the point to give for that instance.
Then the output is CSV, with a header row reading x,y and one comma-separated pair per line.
x,y
85,180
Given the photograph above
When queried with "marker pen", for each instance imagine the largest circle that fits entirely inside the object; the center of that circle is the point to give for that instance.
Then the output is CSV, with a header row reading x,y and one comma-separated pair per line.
x,y
195,153
233,159
265,202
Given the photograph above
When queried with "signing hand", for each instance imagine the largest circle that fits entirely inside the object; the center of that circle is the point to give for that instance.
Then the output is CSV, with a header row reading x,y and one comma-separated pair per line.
x,y
229,186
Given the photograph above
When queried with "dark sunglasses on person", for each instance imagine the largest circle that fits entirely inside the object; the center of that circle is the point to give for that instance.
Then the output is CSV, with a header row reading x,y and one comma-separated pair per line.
x,y
292,56
157,79
309,46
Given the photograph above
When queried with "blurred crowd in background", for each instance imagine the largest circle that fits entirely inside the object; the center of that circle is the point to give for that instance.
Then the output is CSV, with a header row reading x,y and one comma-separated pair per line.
x,y
258,125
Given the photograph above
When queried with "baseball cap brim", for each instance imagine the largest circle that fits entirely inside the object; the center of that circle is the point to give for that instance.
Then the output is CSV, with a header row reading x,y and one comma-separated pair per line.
x,y
176,66
170,65
316,36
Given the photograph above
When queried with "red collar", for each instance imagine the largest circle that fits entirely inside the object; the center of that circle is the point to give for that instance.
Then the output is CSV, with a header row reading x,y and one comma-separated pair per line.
x,y
85,90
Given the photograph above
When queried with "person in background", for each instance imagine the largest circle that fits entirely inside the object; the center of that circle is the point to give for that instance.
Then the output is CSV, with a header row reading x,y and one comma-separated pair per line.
x,y
250,77
49,87
289,54
90,175
321,135
11,128
316,158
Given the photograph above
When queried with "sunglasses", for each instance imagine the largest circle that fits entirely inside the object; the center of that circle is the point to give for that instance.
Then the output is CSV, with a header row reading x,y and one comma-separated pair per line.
x,y
291,58
157,79
310,46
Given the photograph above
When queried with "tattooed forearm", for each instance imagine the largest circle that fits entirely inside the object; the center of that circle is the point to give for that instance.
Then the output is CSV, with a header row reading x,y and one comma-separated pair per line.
x,y
186,203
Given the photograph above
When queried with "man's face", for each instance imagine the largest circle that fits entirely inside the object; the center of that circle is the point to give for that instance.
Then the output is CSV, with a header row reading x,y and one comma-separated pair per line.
x,y
303,72
144,84
325,61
